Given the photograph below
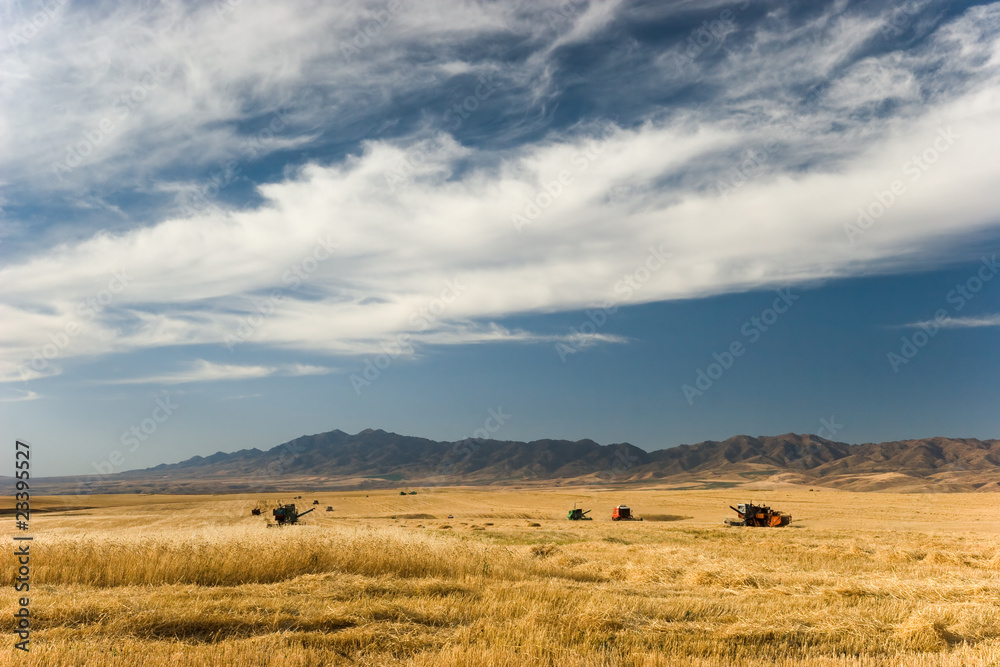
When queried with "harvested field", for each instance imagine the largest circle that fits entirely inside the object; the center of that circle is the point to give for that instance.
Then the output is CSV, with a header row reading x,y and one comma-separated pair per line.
x,y
162,580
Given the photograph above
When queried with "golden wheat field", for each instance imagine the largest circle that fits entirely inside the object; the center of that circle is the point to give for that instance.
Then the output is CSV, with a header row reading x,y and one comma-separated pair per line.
x,y
857,579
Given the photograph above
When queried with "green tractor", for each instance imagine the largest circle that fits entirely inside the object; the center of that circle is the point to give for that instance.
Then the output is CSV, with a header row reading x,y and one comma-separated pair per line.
x,y
578,515
286,515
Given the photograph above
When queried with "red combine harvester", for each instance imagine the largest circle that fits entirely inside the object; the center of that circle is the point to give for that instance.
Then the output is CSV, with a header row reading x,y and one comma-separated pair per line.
x,y
758,515
623,513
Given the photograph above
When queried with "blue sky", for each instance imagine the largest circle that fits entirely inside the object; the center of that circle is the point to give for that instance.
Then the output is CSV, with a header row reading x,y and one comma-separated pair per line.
x,y
224,225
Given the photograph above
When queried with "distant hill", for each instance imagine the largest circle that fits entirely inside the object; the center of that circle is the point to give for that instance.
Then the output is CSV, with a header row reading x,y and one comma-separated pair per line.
x,y
378,459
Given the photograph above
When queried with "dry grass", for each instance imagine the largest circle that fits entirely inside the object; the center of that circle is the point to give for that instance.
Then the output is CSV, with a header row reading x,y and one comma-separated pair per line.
x,y
131,585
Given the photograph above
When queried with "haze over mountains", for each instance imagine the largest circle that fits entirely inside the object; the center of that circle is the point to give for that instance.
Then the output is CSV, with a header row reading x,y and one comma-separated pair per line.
x,y
378,459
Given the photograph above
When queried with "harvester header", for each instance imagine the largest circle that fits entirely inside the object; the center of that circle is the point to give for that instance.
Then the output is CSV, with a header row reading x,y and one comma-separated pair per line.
x,y
286,515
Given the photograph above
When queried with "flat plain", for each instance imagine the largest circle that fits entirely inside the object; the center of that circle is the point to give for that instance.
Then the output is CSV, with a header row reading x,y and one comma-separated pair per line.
x,y
856,579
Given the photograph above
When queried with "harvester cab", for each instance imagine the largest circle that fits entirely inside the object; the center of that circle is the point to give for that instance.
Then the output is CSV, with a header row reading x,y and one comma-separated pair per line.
x,y
286,515
623,513
758,516
578,515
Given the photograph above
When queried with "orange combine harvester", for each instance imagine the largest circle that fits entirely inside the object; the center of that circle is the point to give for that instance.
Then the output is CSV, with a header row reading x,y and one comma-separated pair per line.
x,y
759,516
623,513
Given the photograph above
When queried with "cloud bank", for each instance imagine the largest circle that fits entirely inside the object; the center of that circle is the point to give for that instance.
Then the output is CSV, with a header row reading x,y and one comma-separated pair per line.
x,y
461,166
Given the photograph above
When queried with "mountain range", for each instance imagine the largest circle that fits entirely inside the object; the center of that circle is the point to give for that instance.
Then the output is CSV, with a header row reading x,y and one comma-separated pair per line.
x,y
379,459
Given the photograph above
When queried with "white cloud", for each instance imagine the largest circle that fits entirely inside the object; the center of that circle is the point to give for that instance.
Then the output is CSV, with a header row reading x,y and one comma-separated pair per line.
x,y
186,85
959,322
400,240
396,251
19,395
206,371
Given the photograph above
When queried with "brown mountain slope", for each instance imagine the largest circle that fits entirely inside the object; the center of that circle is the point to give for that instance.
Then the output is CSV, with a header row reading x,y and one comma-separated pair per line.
x,y
376,458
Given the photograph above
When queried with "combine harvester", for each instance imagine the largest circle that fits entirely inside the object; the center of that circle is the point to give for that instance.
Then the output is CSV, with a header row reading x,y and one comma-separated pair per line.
x,y
578,515
757,516
623,513
286,515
